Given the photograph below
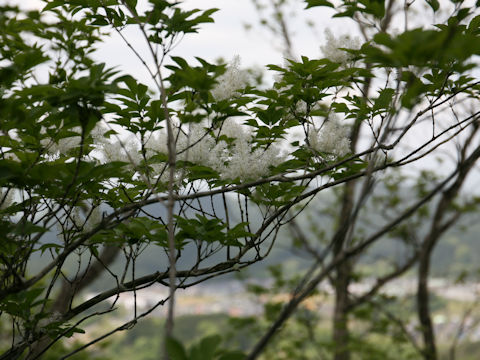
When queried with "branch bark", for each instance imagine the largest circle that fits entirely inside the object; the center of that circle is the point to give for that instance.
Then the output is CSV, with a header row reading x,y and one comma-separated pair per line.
x,y
302,294
437,229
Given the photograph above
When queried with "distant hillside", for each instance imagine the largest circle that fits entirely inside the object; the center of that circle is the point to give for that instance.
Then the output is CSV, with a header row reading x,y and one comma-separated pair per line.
x,y
458,250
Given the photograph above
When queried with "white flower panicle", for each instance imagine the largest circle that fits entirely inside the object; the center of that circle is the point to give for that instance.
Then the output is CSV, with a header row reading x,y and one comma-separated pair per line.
x,y
126,150
332,138
243,163
86,220
84,217
113,151
53,317
11,156
231,81
301,108
129,150
332,49
196,145
64,145
6,198
80,219
233,160
234,130
238,160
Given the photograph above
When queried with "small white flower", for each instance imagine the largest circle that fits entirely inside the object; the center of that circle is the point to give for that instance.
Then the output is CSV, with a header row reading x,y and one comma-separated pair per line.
x,y
197,145
98,133
86,220
239,161
125,151
301,107
231,159
81,218
11,156
332,49
6,198
113,151
231,81
55,316
245,164
64,145
332,138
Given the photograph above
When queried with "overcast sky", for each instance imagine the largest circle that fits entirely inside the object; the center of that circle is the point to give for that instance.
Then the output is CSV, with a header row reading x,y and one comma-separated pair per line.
x,y
227,37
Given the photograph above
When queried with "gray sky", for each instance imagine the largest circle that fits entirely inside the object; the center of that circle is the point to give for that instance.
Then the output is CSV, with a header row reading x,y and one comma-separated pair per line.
x,y
226,37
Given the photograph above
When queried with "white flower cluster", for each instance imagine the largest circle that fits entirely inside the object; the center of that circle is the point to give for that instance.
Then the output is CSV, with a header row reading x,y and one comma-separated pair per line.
x,y
82,218
53,317
64,145
126,151
232,160
228,151
332,138
86,219
6,198
11,156
301,107
130,151
332,50
243,163
231,81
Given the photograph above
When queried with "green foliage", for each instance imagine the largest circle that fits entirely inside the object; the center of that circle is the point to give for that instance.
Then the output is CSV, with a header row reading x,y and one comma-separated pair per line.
x,y
86,149
206,349
210,230
314,3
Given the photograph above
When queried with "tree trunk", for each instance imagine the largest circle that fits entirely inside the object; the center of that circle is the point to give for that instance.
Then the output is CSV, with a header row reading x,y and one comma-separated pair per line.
x,y
63,301
341,333
342,277
423,307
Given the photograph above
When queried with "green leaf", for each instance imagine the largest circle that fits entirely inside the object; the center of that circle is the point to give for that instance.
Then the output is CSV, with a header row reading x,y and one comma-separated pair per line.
x,y
371,7
202,229
45,247
9,169
434,4
132,4
31,295
53,4
474,25
340,108
175,349
205,349
415,88
239,231
314,3
198,172
73,331
233,355
384,100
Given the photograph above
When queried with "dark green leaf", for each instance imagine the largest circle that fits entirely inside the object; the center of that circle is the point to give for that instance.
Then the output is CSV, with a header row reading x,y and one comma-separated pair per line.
x,y
175,349
205,349
434,4
313,3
